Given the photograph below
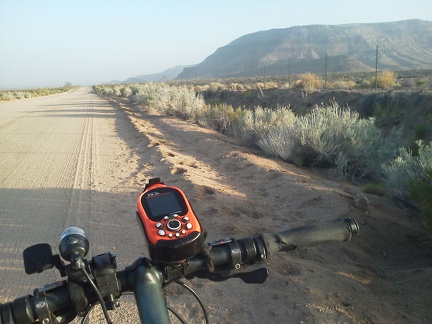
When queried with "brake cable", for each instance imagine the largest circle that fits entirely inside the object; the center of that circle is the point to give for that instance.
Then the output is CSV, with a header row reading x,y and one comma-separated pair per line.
x,y
189,288
97,292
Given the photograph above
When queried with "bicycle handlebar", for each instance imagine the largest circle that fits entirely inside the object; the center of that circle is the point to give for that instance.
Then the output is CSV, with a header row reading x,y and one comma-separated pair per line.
x,y
305,236
61,302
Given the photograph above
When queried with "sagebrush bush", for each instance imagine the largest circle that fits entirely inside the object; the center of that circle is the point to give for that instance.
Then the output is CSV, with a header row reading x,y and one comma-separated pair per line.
x,y
328,136
220,117
254,124
181,101
406,168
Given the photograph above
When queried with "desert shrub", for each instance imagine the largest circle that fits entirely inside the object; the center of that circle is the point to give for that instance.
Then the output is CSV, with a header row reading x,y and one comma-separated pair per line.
x,y
334,138
366,84
421,83
374,188
124,91
247,95
309,82
202,88
216,86
340,167
235,86
386,79
255,124
406,168
8,95
343,84
272,85
219,117
420,192
387,109
180,101
420,131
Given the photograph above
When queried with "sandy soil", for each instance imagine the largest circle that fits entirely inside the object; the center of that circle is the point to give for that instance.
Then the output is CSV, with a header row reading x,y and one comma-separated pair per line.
x,y
94,156
382,276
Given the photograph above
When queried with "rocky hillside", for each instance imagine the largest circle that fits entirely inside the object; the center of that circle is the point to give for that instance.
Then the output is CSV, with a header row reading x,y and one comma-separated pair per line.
x,y
351,47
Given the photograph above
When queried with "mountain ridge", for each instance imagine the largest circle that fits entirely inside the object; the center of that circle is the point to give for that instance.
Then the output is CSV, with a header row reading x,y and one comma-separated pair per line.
x,y
167,75
405,44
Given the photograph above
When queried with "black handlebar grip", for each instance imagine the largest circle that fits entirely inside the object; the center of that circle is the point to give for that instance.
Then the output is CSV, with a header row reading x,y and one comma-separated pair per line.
x,y
19,311
333,231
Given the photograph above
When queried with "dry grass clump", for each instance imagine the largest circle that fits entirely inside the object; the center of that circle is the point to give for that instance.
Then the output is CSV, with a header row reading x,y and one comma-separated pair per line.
x,y
309,82
386,79
342,84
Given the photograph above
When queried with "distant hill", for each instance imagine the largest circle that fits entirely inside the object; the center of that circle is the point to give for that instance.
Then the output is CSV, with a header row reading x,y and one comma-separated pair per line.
x,y
167,75
352,47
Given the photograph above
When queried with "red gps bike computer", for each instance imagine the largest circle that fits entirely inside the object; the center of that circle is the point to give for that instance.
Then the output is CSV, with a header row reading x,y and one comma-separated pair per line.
x,y
170,225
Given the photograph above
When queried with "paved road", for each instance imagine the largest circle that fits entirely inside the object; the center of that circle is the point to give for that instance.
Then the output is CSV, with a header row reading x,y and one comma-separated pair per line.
x,y
64,161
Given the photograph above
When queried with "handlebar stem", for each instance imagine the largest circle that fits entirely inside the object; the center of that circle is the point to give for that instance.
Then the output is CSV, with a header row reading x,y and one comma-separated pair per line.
x,y
149,297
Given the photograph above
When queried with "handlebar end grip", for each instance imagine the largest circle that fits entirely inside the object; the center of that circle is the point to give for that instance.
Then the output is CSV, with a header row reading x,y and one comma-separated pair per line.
x,y
334,231
17,311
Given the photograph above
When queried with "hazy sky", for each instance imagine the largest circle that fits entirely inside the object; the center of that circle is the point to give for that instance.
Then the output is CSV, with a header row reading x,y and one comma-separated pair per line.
x,y
51,42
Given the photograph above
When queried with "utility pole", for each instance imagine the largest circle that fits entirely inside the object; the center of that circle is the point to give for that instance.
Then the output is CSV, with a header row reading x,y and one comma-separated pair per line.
x,y
289,71
325,73
376,69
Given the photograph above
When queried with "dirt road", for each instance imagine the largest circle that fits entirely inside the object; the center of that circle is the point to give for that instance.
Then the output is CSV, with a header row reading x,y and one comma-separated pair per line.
x,y
77,159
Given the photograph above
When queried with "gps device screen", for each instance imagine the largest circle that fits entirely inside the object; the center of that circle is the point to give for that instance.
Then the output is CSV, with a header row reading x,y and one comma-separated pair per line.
x,y
163,204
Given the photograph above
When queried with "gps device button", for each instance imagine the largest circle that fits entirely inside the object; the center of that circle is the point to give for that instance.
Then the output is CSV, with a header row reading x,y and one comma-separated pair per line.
x,y
174,225
186,219
159,225
188,226
161,232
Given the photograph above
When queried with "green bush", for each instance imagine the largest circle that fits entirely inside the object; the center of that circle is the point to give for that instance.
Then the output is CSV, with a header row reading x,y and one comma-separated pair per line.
x,y
378,189
421,131
407,168
420,191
